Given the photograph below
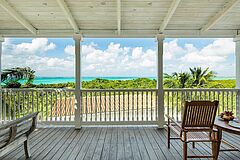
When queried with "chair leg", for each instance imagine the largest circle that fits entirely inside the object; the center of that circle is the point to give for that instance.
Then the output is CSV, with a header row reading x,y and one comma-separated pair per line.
x,y
184,150
168,137
27,149
193,144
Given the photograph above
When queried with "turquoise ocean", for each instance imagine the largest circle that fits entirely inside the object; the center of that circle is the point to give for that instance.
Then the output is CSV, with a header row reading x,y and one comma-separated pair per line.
x,y
57,80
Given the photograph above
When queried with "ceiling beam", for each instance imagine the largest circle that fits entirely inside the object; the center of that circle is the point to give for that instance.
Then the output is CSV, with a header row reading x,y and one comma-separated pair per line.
x,y
169,15
217,17
69,15
10,10
111,33
119,17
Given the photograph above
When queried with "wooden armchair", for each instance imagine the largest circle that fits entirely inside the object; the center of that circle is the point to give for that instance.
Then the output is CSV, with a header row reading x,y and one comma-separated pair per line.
x,y
197,126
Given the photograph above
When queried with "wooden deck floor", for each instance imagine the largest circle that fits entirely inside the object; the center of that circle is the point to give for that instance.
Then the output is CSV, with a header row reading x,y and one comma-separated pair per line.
x,y
110,143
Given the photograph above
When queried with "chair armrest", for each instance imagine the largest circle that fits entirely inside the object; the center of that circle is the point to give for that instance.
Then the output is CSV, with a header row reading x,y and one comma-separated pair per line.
x,y
172,120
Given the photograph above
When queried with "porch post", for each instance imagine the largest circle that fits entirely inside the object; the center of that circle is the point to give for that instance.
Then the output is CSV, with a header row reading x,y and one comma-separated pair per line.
x,y
77,38
237,56
1,41
160,92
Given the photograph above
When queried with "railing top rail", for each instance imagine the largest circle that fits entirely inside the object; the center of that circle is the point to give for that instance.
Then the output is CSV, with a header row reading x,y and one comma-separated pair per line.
x,y
114,90
201,89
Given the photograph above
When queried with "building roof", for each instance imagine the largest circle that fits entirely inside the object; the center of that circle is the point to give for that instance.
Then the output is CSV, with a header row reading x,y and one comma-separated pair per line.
x,y
119,18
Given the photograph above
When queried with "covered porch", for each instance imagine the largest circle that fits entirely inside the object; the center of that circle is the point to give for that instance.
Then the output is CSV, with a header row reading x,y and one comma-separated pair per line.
x,y
89,110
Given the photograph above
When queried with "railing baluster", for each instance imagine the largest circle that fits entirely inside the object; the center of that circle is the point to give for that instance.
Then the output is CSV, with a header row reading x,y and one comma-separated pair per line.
x,y
147,105
19,103
9,107
91,106
177,104
123,97
4,107
110,109
14,106
51,103
172,104
115,115
223,100
119,107
133,106
142,105
105,105
28,101
152,106
95,105
156,108
32,101
56,107
100,94
137,107
128,106
65,105
46,106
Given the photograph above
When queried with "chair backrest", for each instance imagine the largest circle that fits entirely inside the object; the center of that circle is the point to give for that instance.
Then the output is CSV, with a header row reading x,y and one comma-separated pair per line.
x,y
199,113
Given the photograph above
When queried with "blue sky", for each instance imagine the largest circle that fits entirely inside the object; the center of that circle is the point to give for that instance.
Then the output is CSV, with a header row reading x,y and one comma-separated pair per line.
x,y
118,57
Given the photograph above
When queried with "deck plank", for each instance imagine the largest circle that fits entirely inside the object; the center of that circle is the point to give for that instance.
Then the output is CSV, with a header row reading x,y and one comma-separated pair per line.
x,y
99,145
120,144
72,147
111,143
106,145
135,148
142,147
113,146
93,144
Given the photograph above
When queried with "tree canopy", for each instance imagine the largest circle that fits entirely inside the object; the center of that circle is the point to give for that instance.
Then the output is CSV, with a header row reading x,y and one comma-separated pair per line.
x,y
13,75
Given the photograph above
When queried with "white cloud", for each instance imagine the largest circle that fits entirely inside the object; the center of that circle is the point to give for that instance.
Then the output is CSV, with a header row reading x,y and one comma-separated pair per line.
x,y
32,55
117,60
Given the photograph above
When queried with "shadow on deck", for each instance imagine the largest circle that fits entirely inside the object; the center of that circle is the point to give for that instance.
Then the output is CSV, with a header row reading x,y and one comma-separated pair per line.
x,y
111,143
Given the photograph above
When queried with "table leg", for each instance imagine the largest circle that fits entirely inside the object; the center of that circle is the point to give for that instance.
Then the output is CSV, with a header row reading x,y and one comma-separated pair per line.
x,y
216,145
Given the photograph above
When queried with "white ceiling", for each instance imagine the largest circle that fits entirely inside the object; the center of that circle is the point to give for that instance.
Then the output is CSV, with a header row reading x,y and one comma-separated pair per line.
x,y
136,18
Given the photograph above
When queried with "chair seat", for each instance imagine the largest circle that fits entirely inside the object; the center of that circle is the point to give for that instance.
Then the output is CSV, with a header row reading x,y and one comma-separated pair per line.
x,y
191,136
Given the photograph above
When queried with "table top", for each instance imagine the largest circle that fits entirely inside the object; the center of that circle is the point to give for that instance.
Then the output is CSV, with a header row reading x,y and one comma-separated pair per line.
x,y
225,126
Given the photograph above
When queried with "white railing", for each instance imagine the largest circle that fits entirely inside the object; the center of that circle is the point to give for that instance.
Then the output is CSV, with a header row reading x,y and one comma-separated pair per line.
x,y
133,106
118,106
174,98
52,104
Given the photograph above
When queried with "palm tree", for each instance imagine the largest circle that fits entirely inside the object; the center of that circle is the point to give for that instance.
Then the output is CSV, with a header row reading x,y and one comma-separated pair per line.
x,y
177,80
200,76
15,74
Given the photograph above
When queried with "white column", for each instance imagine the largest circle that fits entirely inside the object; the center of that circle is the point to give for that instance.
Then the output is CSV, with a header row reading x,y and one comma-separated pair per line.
x,y
77,38
160,102
237,56
1,41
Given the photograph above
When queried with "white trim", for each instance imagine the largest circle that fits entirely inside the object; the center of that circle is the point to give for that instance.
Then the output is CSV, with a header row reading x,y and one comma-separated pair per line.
x,y
69,15
77,38
219,15
160,99
17,16
119,17
169,15
124,33
1,41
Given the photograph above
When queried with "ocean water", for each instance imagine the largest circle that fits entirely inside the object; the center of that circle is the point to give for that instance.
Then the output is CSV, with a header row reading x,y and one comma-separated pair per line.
x,y
56,80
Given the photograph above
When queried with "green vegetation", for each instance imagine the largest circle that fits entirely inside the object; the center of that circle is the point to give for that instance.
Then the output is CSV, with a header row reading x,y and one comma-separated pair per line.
x,y
136,83
11,77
